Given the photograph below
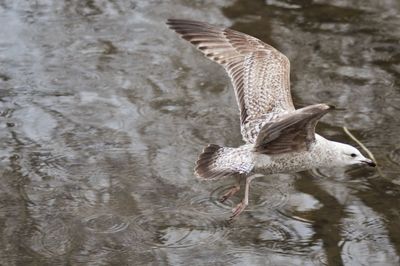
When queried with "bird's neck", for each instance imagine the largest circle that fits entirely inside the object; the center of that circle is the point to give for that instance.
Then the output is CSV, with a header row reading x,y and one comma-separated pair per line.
x,y
325,152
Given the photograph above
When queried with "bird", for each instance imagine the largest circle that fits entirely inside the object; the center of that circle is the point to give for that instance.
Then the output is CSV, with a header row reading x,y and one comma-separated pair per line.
x,y
278,138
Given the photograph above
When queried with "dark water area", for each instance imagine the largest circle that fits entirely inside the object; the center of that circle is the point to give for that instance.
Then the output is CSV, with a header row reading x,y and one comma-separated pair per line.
x,y
104,110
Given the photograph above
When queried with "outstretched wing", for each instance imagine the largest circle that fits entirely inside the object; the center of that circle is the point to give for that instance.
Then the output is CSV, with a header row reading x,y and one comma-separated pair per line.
x,y
259,73
292,132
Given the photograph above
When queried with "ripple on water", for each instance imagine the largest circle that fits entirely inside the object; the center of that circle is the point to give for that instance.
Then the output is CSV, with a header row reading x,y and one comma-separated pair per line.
x,y
319,258
108,237
364,253
106,223
53,240
107,248
363,238
274,235
366,228
271,193
205,205
394,156
174,228
349,175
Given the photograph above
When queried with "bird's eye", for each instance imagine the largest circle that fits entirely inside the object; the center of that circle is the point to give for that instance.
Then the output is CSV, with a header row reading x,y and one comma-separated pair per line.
x,y
353,155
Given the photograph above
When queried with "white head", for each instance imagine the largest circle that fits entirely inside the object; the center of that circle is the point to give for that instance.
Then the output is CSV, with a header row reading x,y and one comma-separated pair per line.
x,y
348,155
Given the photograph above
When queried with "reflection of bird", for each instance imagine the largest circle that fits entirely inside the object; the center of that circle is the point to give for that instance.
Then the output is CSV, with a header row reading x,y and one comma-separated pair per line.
x,y
279,138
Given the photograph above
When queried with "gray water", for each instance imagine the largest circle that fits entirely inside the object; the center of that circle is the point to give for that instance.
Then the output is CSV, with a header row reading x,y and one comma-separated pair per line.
x,y
103,112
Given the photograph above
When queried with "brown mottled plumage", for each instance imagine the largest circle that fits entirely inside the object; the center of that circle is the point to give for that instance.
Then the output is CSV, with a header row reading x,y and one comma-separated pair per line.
x,y
259,73
278,137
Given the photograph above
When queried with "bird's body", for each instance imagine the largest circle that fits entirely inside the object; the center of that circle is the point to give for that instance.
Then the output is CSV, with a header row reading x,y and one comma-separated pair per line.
x,y
320,155
278,138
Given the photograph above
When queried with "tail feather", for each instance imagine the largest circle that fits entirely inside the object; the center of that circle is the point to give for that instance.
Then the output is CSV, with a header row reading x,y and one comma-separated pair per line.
x,y
217,162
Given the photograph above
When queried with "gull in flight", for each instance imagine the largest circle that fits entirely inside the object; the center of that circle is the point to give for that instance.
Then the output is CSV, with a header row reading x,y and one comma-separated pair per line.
x,y
278,138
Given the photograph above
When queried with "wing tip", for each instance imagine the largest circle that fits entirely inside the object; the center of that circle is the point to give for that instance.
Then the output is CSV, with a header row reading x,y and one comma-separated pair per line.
x,y
331,107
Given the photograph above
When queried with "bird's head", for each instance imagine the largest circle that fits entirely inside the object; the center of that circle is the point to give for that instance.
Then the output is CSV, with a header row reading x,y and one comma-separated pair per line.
x,y
349,155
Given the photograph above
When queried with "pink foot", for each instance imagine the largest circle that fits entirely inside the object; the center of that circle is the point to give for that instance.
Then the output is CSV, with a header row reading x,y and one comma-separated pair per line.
x,y
232,191
238,210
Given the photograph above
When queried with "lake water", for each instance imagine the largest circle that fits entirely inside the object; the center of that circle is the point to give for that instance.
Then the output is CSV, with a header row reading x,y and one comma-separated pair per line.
x,y
104,110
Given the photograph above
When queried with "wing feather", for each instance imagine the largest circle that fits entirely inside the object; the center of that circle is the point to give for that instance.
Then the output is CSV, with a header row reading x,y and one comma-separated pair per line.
x,y
259,73
292,132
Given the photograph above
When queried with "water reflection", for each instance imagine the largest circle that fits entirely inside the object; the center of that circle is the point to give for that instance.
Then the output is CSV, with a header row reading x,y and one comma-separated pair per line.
x,y
103,112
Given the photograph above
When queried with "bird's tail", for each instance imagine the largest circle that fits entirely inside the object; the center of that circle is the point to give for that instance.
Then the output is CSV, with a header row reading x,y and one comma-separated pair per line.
x,y
217,162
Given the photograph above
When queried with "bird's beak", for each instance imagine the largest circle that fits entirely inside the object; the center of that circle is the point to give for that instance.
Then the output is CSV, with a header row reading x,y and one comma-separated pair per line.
x,y
369,162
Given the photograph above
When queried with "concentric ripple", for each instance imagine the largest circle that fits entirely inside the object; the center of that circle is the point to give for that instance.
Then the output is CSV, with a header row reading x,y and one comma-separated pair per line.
x,y
108,236
216,195
207,206
319,258
364,237
271,193
273,235
174,228
54,239
106,223
394,156
364,253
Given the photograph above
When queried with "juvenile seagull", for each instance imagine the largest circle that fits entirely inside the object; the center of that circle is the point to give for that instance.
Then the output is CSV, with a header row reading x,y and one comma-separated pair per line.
x,y
278,138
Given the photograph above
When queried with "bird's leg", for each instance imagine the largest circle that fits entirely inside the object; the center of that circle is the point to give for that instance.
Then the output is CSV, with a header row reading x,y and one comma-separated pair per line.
x,y
232,191
245,201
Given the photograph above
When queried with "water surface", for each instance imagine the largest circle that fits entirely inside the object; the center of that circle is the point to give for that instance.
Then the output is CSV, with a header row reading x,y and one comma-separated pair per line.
x,y
103,112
